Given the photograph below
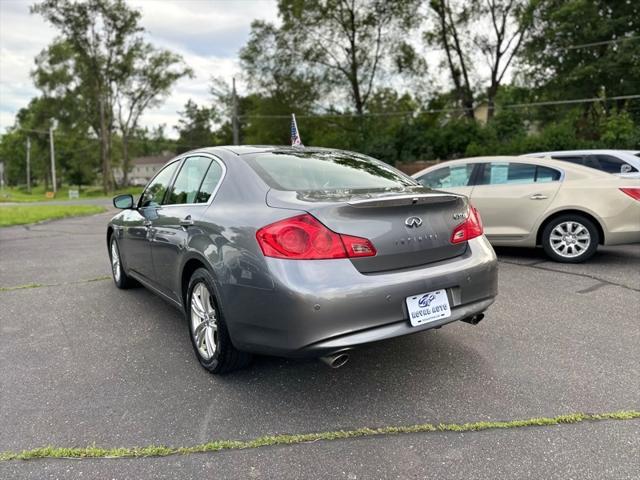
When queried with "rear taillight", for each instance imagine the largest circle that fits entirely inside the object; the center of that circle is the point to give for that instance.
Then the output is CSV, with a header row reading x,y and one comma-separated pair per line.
x,y
633,192
471,228
305,238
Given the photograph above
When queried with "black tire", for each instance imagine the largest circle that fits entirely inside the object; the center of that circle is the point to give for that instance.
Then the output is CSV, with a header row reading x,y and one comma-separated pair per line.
x,y
121,279
575,253
225,357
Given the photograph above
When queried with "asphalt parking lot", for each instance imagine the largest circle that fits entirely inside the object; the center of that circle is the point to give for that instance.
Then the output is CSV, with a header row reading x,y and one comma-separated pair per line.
x,y
82,363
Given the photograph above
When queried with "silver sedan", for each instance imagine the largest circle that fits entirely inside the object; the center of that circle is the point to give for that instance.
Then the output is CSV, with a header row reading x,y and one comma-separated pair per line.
x,y
300,252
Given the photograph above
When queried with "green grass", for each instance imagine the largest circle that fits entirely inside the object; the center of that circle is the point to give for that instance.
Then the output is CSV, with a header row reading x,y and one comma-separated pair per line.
x,y
215,446
21,287
25,214
20,194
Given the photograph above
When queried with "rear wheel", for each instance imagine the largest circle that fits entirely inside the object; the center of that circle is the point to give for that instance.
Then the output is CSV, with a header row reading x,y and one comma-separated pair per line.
x,y
120,278
570,239
209,335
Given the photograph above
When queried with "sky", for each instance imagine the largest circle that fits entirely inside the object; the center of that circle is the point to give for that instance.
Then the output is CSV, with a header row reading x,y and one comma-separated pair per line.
x,y
207,33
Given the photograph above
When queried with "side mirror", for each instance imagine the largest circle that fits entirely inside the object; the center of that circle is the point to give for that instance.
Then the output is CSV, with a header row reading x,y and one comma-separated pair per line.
x,y
123,202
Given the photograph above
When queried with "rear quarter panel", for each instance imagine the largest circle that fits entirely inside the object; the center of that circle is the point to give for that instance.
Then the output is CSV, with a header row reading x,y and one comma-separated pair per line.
x,y
601,198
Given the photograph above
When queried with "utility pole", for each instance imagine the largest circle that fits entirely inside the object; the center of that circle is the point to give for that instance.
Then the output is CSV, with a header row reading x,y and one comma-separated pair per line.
x,y
234,117
53,160
29,164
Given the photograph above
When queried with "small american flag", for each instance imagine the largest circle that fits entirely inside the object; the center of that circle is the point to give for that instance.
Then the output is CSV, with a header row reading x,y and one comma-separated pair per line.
x,y
295,135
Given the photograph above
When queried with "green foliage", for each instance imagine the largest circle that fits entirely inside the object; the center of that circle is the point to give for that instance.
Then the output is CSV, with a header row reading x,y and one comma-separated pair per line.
x,y
351,73
101,67
619,129
562,70
195,127
22,215
331,46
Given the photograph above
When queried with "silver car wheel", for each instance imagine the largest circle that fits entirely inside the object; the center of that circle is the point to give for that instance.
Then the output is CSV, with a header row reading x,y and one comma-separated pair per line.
x,y
204,325
115,261
570,239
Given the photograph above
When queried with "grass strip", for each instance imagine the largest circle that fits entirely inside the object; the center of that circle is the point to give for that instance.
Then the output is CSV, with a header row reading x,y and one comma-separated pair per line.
x,y
40,285
25,214
21,287
218,445
20,195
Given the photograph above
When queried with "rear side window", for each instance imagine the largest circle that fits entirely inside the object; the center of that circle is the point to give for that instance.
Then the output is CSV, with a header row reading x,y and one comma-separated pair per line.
x,y
578,160
448,177
610,164
545,174
517,173
502,172
325,170
210,182
187,184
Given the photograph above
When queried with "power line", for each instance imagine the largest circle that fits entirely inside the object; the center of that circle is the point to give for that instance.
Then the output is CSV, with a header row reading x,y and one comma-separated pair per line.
x,y
566,102
372,114
444,110
604,42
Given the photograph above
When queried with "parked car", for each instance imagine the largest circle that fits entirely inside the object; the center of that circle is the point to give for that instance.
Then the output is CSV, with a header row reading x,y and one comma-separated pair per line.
x,y
300,252
618,162
568,209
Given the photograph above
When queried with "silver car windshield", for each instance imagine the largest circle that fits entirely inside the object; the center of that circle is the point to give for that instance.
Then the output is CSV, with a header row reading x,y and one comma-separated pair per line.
x,y
326,170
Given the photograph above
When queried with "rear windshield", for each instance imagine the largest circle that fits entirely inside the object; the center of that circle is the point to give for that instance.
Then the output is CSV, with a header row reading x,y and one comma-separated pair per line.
x,y
314,170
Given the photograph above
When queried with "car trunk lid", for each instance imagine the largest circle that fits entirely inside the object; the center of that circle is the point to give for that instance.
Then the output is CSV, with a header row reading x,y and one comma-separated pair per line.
x,y
408,228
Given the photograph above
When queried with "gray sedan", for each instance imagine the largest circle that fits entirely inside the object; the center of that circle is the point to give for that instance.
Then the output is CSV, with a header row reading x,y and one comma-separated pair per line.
x,y
300,252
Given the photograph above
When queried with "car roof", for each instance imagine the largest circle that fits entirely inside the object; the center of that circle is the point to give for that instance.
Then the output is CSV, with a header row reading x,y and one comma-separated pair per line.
x,y
253,149
546,162
603,151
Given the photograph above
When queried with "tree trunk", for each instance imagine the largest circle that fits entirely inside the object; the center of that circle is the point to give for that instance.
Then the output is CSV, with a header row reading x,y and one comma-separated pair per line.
x,y
491,100
105,154
125,159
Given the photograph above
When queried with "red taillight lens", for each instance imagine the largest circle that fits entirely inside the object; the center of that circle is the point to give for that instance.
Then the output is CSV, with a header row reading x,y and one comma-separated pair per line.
x,y
632,192
471,228
305,238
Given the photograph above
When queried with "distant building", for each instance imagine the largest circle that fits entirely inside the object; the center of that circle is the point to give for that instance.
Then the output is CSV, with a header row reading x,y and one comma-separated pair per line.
x,y
143,168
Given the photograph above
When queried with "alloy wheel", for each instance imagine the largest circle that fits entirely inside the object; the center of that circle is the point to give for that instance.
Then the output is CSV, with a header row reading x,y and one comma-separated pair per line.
x,y
204,325
115,261
570,239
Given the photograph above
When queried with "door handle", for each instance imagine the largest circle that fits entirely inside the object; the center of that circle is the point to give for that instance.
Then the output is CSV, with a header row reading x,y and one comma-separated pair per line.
x,y
538,196
186,221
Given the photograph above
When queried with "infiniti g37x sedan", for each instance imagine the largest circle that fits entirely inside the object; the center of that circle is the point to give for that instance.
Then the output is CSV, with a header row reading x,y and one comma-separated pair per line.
x,y
568,209
300,252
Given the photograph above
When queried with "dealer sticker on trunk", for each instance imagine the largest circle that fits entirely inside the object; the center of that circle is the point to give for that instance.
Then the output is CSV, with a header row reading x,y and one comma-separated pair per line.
x,y
428,307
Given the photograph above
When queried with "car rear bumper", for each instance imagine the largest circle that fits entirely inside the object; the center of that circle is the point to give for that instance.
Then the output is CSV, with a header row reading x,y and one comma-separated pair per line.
x,y
318,307
622,238
624,227
397,329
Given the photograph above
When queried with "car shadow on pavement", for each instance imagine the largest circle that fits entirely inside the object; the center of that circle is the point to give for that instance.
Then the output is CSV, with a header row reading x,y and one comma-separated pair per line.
x,y
410,373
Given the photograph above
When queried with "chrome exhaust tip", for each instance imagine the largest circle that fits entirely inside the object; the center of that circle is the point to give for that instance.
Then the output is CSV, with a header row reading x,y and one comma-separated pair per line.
x,y
336,360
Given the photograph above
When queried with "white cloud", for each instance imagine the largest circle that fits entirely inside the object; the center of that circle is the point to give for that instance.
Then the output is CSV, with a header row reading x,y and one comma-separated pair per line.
x,y
207,33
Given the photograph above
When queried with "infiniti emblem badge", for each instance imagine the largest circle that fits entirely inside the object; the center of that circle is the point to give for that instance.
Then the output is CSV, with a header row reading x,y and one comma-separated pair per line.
x,y
413,222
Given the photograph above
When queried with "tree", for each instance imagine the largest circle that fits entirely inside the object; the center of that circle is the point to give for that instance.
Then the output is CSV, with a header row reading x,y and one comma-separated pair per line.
x,y
152,74
195,127
495,28
584,48
447,34
97,39
342,45
500,44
